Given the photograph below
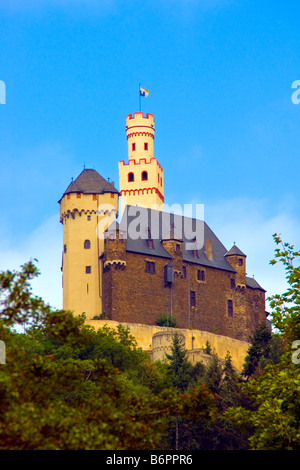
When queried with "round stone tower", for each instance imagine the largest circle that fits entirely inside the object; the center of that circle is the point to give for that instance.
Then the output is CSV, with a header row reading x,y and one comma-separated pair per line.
x,y
87,208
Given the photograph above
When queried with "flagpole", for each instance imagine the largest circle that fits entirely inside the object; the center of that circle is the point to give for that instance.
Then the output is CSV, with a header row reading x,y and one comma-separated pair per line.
x,y
140,97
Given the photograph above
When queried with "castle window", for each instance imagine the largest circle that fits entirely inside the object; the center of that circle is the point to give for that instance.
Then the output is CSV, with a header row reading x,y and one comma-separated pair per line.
x,y
201,275
78,195
112,195
94,197
65,248
230,308
183,272
178,248
196,253
193,298
88,269
144,176
232,284
150,267
89,218
130,177
133,146
87,244
145,146
240,261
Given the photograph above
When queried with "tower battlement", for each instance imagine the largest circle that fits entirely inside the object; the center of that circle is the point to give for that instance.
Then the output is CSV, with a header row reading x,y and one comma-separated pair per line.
x,y
140,125
138,118
138,161
141,179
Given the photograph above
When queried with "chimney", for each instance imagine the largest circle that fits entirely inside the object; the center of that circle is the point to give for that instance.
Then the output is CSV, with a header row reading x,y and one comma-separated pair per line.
x,y
208,249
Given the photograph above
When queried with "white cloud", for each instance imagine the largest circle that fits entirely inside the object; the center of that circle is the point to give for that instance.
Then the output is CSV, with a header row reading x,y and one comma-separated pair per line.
x,y
250,224
246,222
44,244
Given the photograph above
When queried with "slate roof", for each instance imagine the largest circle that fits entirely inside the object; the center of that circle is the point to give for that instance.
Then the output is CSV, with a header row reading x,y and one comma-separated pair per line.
x,y
235,251
164,226
90,182
253,284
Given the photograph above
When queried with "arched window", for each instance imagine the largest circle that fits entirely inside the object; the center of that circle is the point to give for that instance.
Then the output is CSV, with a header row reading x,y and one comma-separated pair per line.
x,y
130,177
87,244
144,176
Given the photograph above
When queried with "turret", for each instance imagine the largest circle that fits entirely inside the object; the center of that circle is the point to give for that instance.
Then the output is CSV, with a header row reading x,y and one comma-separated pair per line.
x,y
141,179
237,259
88,204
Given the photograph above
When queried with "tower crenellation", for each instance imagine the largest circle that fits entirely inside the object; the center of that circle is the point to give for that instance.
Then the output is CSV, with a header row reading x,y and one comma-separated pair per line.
x,y
141,179
127,277
81,213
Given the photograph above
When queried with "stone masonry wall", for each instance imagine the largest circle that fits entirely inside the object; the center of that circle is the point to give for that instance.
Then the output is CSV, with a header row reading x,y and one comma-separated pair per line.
x,y
130,294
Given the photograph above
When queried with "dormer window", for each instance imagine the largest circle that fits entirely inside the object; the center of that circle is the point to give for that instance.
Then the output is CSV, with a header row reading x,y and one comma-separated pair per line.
x,y
149,240
144,176
130,177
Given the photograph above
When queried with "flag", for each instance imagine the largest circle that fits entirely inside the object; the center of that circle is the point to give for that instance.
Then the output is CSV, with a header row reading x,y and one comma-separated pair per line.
x,y
143,91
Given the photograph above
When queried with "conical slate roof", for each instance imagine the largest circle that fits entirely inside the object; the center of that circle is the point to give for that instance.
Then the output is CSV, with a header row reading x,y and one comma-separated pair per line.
x,y
90,182
235,251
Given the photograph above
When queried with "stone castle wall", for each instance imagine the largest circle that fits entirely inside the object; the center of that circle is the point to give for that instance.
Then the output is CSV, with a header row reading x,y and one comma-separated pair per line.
x,y
157,340
132,295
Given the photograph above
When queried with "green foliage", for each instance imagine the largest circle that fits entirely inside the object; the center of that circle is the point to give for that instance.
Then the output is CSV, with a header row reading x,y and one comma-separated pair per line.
x,y
102,316
259,349
286,306
213,374
275,411
66,386
179,368
207,349
17,304
167,320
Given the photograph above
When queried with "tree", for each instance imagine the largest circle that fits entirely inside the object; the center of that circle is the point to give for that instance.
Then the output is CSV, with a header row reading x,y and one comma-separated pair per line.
x,y
259,349
207,349
275,416
229,386
213,374
179,368
66,386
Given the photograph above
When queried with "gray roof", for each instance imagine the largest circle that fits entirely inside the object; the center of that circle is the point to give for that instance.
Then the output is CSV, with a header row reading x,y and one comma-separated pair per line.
x,y
163,226
141,224
235,251
253,284
90,182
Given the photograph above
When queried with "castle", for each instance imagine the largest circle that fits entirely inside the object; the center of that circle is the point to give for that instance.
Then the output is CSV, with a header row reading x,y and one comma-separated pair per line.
x,y
151,262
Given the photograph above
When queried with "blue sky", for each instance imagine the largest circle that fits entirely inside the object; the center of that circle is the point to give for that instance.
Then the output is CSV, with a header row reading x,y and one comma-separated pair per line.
x,y
220,76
